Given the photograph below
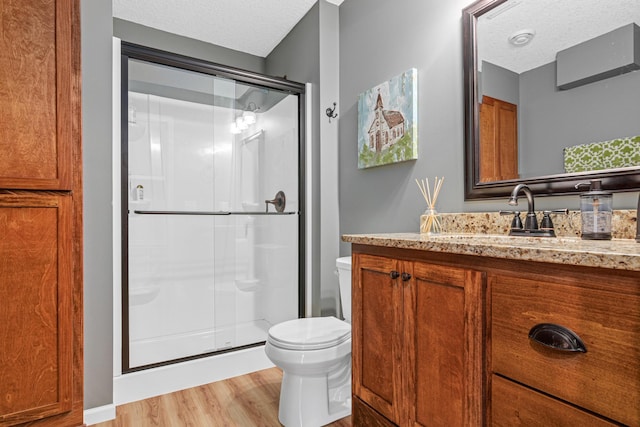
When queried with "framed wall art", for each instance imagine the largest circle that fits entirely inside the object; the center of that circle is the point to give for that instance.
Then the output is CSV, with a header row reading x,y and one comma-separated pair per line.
x,y
388,121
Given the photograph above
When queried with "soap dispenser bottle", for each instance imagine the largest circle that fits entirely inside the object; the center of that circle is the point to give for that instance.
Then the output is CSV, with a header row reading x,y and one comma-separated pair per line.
x,y
596,211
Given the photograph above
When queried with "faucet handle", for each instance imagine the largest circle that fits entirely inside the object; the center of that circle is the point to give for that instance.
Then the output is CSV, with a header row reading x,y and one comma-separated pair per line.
x,y
546,223
516,222
279,202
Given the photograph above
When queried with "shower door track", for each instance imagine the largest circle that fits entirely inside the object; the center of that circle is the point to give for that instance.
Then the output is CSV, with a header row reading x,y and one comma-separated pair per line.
x,y
220,213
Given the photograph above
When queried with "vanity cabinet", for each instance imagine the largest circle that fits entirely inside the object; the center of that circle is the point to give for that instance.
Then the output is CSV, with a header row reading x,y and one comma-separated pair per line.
x,y
417,340
448,339
529,378
41,312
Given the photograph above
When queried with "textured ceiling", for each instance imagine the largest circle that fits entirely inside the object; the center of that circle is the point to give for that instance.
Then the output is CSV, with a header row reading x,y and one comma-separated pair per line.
x,y
557,24
250,26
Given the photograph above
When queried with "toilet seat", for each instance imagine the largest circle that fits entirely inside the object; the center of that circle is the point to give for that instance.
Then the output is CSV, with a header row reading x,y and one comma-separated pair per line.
x,y
312,333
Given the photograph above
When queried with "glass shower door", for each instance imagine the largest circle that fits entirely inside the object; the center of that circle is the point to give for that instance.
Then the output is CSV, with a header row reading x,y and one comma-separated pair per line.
x,y
211,266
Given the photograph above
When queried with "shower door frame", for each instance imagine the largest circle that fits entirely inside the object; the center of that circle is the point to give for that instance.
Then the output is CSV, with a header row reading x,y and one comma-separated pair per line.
x,y
156,56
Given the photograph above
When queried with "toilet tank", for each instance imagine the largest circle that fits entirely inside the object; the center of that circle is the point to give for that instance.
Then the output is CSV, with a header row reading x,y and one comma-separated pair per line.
x,y
344,279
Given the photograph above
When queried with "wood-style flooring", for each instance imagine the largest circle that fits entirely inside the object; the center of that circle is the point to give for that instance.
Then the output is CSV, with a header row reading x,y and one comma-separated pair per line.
x,y
247,401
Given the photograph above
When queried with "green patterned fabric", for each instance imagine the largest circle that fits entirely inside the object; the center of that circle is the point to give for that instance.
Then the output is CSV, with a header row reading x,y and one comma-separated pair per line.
x,y
618,153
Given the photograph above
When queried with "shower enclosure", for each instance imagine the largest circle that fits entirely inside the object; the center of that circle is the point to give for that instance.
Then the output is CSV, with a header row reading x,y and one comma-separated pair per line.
x,y
212,196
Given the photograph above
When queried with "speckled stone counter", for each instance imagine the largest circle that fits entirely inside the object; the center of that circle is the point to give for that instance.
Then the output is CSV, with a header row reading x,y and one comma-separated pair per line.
x,y
623,223
622,254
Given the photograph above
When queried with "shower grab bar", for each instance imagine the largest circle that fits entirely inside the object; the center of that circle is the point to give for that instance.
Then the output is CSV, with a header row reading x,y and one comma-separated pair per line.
x,y
210,213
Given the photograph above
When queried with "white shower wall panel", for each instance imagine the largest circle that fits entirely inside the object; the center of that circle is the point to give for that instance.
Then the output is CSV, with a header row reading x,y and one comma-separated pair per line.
x,y
224,309
277,237
187,146
171,287
280,156
276,259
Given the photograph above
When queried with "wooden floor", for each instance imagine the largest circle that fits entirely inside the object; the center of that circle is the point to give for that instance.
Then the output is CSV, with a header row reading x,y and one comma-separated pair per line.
x,y
246,401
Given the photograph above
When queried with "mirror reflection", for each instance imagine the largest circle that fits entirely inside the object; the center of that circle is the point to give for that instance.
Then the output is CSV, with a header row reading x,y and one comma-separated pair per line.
x,y
557,88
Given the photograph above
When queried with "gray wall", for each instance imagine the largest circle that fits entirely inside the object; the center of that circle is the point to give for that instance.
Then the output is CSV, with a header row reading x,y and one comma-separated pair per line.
x,y
329,200
499,83
98,268
150,37
378,40
550,119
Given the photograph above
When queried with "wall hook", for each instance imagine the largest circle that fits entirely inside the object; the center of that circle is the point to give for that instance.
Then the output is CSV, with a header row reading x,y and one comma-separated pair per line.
x,y
331,112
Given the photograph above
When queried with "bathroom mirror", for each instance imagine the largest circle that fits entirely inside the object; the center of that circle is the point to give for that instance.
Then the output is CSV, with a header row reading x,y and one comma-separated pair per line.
x,y
545,88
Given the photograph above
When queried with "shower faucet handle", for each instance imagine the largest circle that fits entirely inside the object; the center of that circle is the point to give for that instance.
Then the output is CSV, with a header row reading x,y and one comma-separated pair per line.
x,y
279,202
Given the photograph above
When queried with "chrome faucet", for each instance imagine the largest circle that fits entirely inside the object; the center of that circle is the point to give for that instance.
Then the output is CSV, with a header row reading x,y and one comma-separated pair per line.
x,y
531,221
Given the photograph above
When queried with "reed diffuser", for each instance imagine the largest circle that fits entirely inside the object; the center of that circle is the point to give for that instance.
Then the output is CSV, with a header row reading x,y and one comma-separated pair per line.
x,y
430,222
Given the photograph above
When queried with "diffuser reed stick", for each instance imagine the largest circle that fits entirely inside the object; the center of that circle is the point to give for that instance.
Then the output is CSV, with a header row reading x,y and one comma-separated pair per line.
x,y
431,224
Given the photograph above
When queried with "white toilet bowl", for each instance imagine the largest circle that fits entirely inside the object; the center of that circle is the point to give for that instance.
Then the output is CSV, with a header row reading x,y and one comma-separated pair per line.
x,y
315,357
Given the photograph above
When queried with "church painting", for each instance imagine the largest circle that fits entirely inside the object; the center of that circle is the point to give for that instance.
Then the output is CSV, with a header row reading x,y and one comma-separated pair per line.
x,y
387,122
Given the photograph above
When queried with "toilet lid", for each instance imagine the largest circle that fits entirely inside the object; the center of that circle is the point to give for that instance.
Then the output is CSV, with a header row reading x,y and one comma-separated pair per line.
x,y
311,333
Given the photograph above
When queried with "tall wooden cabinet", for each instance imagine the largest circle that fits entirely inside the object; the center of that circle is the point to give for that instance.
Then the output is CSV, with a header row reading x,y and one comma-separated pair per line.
x,y
40,214
417,341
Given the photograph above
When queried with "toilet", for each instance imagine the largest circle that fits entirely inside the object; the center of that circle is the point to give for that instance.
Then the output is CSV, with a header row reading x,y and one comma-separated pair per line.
x,y
314,354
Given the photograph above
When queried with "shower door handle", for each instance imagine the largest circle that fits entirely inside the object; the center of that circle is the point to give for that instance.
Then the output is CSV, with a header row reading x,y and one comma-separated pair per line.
x,y
279,202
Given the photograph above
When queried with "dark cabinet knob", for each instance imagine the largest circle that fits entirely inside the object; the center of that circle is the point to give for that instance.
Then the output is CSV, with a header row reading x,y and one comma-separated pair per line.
x,y
394,274
557,337
406,277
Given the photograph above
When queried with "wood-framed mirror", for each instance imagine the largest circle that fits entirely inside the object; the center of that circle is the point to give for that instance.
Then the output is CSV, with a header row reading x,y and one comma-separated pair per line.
x,y
546,136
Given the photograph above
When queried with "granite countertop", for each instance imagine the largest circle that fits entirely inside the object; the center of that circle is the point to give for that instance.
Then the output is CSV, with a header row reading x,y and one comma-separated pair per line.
x,y
621,254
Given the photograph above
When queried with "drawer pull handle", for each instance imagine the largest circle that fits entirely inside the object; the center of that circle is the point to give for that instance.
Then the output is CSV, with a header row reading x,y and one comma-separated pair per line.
x,y
394,274
557,337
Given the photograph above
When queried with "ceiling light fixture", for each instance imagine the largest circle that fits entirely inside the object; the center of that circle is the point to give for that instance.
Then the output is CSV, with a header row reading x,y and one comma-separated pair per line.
x,y
243,121
522,37
249,115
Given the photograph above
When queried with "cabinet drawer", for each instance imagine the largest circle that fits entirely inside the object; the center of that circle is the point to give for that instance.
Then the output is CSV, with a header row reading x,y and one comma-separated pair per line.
x,y
603,311
512,405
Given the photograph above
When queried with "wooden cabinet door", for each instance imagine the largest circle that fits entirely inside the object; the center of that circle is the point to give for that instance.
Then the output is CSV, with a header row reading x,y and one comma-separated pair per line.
x,y
498,140
39,101
36,306
377,328
443,322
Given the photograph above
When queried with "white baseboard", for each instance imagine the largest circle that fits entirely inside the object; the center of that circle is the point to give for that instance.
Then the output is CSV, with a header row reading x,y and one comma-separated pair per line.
x,y
167,379
99,414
